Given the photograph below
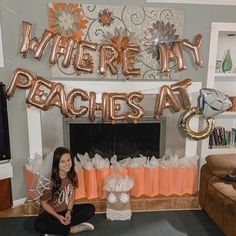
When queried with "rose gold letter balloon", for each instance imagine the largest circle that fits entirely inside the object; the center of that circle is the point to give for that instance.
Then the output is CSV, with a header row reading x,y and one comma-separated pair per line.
x,y
116,107
107,56
128,61
57,97
195,49
57,50
25,37
171,53
178,55
165,99
22,79
92,105
71,102
35,45
83,60
105,107
181,87
137,111
164,59
36,92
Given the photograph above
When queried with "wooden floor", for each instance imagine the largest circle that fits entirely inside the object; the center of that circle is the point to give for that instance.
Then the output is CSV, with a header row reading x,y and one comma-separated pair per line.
x,y
16,212
159,203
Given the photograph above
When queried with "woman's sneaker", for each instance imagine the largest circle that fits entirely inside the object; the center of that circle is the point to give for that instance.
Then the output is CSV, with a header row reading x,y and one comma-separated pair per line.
x,y
81,227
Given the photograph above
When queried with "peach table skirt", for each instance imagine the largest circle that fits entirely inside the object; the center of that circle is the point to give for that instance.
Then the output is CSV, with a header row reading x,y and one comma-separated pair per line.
x,y
147,182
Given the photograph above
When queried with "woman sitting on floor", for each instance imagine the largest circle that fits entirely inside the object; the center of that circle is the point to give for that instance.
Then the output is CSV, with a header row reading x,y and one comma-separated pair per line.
x,y
60,215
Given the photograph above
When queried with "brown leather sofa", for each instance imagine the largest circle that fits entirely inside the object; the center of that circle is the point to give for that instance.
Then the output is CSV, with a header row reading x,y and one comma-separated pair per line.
x,y
217,197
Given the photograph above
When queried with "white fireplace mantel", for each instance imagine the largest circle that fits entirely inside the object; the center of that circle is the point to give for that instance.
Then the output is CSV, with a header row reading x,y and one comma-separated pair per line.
x,y
146,87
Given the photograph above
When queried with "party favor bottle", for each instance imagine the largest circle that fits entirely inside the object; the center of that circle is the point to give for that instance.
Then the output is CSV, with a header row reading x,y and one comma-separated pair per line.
x,y
227,63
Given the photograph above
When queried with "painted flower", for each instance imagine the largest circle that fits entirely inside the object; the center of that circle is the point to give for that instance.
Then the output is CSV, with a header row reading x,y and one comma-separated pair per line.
x,y
120,39
68,20
159,33
105,17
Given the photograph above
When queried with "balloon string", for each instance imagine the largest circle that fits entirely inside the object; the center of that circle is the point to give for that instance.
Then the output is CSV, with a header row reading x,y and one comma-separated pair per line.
x,y
102,91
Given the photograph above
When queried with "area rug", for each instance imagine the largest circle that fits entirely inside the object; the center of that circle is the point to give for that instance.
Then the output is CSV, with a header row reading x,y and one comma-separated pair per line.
x,y
161,223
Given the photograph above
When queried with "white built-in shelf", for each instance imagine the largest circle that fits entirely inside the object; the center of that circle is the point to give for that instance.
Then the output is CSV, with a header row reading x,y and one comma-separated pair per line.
x,y
220,42
221,150
230,114
225,76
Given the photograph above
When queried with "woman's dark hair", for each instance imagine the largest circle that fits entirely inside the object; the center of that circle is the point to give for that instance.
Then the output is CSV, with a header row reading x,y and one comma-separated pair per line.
x,y
55,178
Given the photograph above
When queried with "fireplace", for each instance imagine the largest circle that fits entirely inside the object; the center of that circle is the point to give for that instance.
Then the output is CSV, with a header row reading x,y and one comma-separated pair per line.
x,y
123,139
48,130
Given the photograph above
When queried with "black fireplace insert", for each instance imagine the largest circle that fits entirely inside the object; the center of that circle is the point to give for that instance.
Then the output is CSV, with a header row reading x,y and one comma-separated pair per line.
x,y
123,139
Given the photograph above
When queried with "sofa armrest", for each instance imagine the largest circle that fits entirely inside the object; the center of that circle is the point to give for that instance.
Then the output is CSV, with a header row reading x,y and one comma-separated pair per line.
x,y
205,176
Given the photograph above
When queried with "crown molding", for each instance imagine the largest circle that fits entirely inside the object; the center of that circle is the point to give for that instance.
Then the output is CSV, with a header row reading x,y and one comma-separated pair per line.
x,y
208,2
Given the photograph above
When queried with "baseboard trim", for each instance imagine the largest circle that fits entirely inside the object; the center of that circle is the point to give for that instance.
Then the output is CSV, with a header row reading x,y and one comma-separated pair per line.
x,y
158,203
19,202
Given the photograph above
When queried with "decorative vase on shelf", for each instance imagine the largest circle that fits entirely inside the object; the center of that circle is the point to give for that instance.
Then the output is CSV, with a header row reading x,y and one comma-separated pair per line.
x,y
227,63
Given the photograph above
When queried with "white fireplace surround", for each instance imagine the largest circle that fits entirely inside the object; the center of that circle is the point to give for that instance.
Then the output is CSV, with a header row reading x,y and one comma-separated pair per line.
x,y
34,114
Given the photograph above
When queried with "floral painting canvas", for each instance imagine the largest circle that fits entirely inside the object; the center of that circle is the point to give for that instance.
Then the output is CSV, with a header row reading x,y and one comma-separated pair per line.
x,y
118,26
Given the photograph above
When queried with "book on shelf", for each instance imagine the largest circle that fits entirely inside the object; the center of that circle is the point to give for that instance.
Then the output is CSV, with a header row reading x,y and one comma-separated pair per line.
x,y
234,135
221,137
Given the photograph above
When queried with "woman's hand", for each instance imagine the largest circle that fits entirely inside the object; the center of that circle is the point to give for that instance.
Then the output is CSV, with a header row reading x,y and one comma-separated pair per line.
x,y
51,211
68,216
63,220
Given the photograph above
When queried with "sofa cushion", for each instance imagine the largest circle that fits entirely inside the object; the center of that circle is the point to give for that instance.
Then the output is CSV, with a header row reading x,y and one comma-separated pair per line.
x,y
222,164
226,189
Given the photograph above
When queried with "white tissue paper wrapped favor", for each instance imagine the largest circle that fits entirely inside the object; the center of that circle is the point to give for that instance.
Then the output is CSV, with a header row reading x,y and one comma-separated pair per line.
x,y
34,163
124,163
86,161
152,163
119,165
164,162
175,161
118,199
42,181
138,162
78,164
118,183
100,163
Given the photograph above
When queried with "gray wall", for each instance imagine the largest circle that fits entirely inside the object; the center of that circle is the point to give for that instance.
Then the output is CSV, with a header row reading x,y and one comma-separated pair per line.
x,y
198,19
